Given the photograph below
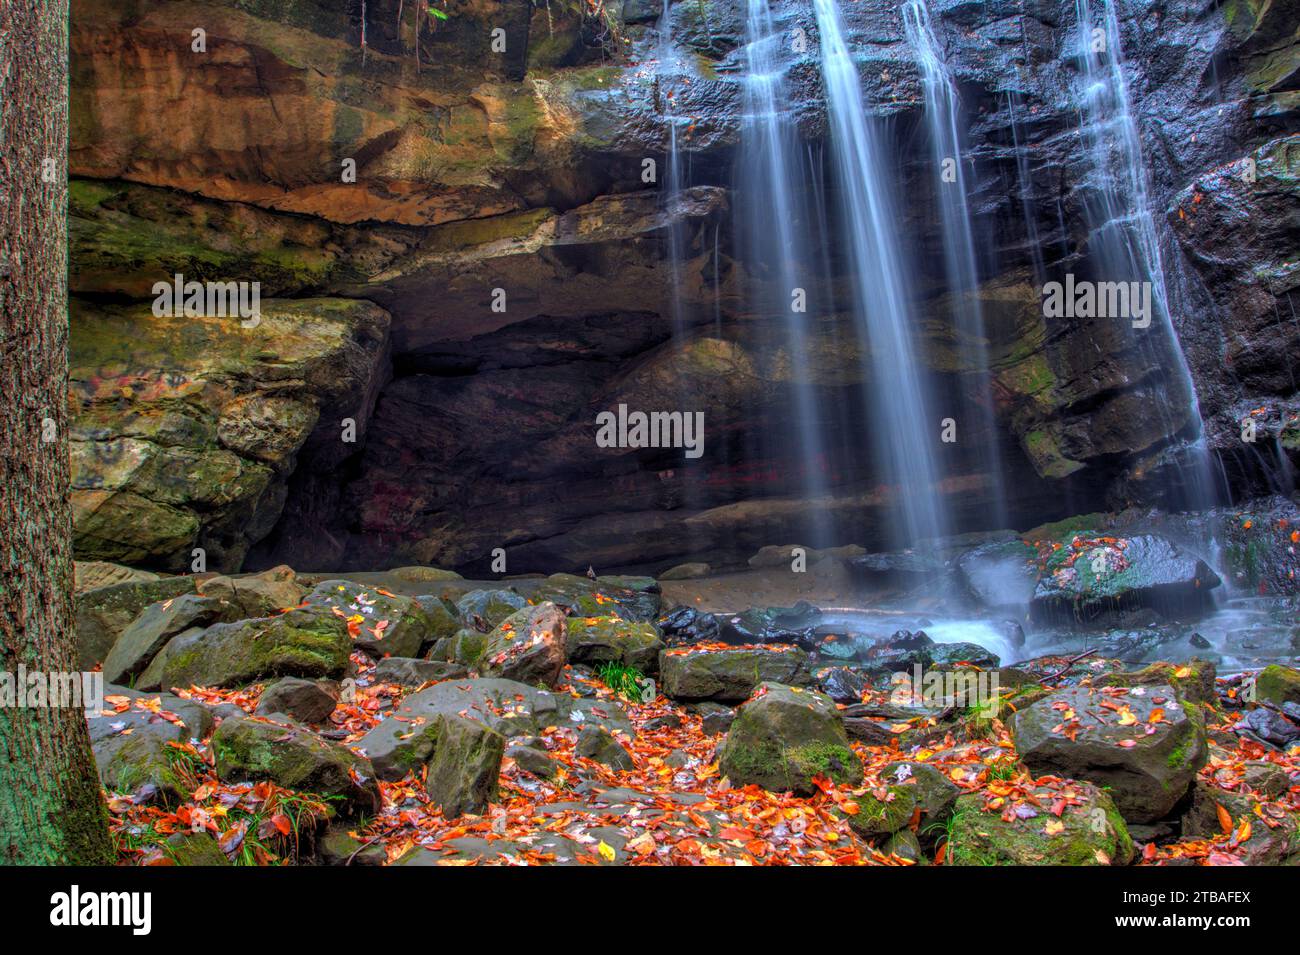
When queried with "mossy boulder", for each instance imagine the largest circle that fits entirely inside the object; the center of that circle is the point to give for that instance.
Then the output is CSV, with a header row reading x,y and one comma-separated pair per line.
x,y
339,847
104,612
466,766
299,643
1142,743
528,646
882,814
632,598
303,700
1278,684
194,849
156,625
466,647
257,595
783,737
133,748
1089,831
384,624
731,675
597,743
1193,681
596,640
292,756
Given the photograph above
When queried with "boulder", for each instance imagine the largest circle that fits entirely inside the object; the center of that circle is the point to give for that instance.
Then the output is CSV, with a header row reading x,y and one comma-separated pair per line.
x,y
1278,684
688,625
783,737
466,766
1193,681
294,757
157,624
1142,743
632,598
1088,831
1091,576
257,595
194,849
103,613
596,640
597,743
419,575
405,740
382,623
842,684
303,700
299,643
93,574
132,748
730,676
687,571
761,625
405,671
715,718
483,610
528,646
339,847
532,760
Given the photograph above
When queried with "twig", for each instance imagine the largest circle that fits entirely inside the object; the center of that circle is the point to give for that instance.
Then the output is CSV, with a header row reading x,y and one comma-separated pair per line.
x,y
365,845
1068,663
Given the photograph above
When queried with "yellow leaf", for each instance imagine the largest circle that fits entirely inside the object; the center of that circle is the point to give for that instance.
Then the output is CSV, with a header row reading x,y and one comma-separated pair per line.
x,y
606,851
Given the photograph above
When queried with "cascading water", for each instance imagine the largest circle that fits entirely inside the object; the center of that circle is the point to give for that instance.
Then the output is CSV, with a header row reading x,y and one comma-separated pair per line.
x,y
900,412
943,113
777,230
674,179
1125,243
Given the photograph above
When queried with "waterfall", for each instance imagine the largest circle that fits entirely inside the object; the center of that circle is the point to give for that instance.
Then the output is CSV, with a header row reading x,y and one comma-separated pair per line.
x,y
942,114
674,178
1125,240
901,417
776,225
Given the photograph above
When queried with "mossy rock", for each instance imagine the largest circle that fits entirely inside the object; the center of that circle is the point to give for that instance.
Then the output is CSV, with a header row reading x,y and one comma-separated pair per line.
x,y
194,849
103,613
466,766
731,675
596,640
408,628
294,757
1091,832
528,646
299,643
785,736
878,817
484,610
1193,681
1278,684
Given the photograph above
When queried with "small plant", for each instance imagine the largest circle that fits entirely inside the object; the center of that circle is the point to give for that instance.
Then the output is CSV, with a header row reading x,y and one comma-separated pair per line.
x,y
624,680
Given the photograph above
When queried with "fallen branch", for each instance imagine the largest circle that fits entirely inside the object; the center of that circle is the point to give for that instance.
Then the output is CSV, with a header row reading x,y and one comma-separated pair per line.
x,y
1068,664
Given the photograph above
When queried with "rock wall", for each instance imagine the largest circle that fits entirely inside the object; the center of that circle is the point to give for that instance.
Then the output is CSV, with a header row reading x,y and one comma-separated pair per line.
x,y
523,171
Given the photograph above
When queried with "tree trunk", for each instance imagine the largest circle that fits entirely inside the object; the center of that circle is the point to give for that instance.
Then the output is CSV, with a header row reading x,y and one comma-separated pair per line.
x,y
51,806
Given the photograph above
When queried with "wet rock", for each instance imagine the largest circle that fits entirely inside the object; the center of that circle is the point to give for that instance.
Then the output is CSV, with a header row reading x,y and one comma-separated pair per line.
x,y
1091,832
302,700
688,625
789,625
632,598
339,847
296,758
934,794
528,646
1092,576
465,768
1109,737
1279,728
130,747
1278,685
596,640
533,760
730,676
842,684
715,718
784,736
1193,681
298,643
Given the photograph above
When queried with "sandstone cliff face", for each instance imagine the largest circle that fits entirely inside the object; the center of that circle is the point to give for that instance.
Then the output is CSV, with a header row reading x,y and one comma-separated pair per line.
x,y
523,171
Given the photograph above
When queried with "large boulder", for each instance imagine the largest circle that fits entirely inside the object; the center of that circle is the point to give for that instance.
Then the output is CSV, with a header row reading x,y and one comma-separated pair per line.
x,y
1142,743
1088,830
292,756
528,646
1278,685
1000,575
596,640
407,739
483,610
632,598
466,765
257,595
304,700
1090,575
103,613
157,624
783,737
93,574
730,675
381,623
298,643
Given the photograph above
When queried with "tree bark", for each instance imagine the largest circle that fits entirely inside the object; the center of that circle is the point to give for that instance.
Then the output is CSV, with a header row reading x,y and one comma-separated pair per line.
x,y
51,805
